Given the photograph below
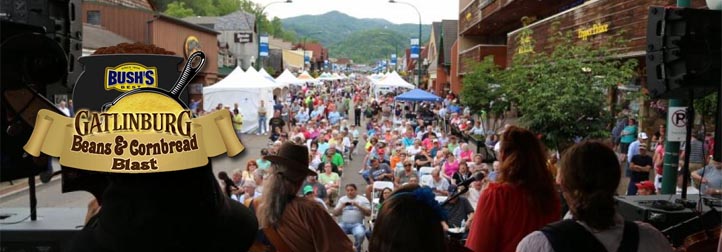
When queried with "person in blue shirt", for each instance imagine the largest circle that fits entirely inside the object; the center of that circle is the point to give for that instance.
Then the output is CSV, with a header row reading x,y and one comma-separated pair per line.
x,y
634,146
628,135
302,116
371,132
315,114
454,107
334,117
262,163
408,139
278,106
494,172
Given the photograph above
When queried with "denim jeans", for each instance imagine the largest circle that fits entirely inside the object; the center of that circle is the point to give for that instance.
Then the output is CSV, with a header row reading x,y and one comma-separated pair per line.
x,y
357,230
262,125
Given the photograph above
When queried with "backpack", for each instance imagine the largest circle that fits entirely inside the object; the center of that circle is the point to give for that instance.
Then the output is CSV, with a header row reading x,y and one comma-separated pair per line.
x,y
568,235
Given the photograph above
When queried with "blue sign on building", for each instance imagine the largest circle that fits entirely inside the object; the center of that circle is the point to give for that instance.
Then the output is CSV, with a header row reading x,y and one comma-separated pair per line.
x,y
414,48
264,46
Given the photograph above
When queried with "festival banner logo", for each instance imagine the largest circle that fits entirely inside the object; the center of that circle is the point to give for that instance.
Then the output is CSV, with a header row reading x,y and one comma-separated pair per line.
x,y
144,130
129,76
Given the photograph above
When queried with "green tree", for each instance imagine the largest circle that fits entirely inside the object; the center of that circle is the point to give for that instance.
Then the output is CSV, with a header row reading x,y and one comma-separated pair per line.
x,y
482,92
270,70
274,28
178,9
563,94
706,107
226,7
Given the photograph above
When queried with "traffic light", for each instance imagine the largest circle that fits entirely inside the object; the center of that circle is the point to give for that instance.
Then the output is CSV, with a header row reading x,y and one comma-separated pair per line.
x,y
683,51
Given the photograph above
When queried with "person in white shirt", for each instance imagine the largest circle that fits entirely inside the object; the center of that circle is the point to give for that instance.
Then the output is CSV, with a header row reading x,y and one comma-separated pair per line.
x,y
352,210
414,149
438,184
593,223
249,192
474,193
64,108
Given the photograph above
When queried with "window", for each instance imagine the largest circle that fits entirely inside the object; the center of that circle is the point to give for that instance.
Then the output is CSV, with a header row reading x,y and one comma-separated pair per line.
x,y
94,17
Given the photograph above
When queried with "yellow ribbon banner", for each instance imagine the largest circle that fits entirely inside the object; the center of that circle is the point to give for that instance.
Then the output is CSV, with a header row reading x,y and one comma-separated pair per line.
x,y
129,151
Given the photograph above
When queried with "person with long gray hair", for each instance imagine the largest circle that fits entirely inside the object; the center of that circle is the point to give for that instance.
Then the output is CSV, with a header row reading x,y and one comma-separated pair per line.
x,y
293,223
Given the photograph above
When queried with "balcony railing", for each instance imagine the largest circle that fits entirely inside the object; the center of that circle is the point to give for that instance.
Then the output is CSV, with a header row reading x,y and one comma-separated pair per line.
x,y
479,52
470,16
502,16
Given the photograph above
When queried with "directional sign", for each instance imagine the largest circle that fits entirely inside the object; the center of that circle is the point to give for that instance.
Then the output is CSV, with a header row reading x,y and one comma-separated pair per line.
x,y
243,37
677,124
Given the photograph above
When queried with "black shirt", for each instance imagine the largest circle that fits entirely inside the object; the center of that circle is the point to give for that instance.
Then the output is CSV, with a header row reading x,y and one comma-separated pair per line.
x,y
458,211
458,177
641,160
422,158
276,122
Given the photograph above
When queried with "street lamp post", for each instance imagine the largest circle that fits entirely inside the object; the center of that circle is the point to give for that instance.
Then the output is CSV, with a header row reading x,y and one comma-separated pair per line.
x,y
259,62
418,60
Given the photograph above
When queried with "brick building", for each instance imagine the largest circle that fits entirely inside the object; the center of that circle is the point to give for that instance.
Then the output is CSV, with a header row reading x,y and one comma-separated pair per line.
x,y
138,21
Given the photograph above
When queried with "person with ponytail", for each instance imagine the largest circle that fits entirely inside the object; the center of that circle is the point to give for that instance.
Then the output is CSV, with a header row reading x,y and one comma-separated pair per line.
x,y
292,223
523,199
589,177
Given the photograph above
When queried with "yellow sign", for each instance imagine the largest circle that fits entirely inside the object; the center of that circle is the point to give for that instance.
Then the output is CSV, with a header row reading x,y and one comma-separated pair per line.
x,y
525,45
134,138
598,28
129,76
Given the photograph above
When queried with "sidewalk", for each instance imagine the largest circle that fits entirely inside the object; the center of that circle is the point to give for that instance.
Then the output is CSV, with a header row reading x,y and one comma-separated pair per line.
x,y
19,185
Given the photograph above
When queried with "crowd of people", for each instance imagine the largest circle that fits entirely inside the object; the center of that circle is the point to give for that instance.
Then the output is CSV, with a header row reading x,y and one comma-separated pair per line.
x,y
642,160
422,154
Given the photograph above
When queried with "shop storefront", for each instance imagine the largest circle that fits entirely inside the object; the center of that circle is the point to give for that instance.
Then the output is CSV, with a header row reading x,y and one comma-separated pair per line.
x,y
598,22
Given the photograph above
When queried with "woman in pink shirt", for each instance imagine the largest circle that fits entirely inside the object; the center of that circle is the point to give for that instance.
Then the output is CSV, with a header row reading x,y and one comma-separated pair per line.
x,y
466,154
429,141
451,166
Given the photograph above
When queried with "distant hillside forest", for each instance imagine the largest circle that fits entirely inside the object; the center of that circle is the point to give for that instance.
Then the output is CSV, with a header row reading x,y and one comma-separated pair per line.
x,y
364,40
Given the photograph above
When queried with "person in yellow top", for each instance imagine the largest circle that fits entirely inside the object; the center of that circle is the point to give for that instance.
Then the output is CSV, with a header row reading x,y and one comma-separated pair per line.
x,y
237,122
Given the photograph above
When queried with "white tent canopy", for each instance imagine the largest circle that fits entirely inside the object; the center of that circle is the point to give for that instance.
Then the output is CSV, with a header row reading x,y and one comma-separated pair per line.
x,y
394,80
287,78
254,76
246,89
266,74
325,76
305,77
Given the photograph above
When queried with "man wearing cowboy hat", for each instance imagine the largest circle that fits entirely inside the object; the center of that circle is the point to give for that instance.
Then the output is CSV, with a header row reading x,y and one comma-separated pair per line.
x,y
292,222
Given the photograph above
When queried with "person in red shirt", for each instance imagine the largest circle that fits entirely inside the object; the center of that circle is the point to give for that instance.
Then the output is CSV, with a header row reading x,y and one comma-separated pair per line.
x,y
523,199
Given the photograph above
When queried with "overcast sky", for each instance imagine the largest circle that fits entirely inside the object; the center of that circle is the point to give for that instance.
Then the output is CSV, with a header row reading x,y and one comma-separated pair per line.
x,y
431,10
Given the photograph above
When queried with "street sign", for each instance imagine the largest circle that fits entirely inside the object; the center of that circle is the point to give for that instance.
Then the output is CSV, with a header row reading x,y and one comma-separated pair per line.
x,y
414,48
393,59
243,37
264,46
677,124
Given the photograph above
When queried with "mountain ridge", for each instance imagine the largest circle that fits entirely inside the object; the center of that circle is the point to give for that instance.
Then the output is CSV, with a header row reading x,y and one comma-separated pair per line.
x,y
339,32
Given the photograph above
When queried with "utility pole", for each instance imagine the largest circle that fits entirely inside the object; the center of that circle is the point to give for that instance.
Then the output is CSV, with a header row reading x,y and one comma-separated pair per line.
x,y
671,149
